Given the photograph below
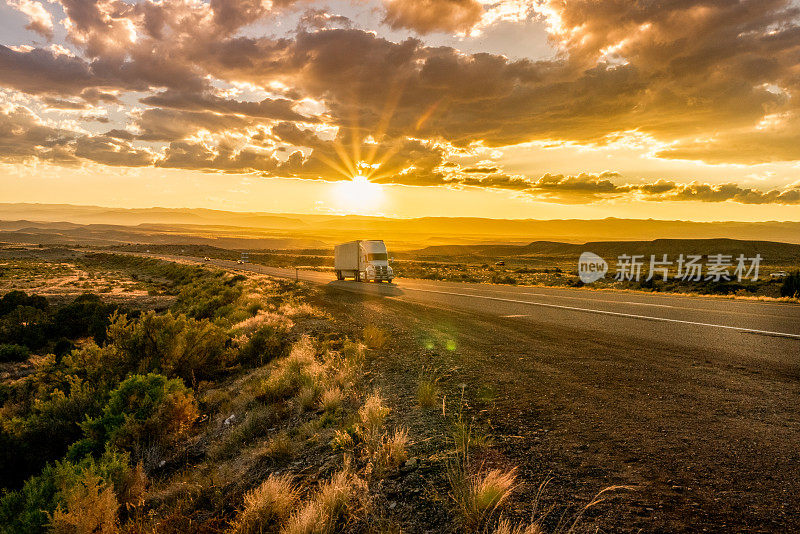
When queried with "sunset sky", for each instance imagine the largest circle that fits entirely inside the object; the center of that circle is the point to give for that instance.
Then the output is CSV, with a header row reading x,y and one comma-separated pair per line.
x,y
670,109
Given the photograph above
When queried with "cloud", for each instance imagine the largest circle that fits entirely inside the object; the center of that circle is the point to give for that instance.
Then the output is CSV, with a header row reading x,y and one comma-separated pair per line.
x,y
427,16
730,192
157,124
40,71
587,188
111,151
319,19
24,136
40,20
279,109
710,80
777,138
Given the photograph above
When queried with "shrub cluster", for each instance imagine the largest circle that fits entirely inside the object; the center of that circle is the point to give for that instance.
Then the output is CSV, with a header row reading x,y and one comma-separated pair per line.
x,y
791,285
31,323
122,394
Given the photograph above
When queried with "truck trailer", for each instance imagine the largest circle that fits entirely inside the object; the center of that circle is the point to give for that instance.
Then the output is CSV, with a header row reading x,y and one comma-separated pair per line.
x,y
364,261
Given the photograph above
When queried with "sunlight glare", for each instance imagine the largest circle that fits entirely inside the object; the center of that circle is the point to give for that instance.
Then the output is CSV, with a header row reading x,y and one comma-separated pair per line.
x,y
358,196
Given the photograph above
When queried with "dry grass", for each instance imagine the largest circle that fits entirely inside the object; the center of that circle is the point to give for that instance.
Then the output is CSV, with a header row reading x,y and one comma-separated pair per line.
x,y
568,523
507,527
244,434
308,520
347,365
267,506
262,318
372,416
298,370
375,337
307,396
428,389
298,309
394,451
330,508
331,399
342,440
279,447
479,495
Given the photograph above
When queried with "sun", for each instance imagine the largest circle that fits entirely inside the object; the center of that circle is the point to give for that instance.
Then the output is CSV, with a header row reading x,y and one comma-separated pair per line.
x,y
358,195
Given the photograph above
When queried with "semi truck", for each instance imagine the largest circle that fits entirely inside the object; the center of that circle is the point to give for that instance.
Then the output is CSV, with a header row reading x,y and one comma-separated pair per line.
x,y
364,261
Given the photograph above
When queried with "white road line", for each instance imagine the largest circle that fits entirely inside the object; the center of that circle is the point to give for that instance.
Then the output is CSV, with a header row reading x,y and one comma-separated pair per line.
x,y
641,303
616,314
585,299
512,316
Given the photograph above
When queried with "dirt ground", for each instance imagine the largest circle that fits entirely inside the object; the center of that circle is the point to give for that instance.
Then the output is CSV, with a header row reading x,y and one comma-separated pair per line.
x,y
53,273
707,445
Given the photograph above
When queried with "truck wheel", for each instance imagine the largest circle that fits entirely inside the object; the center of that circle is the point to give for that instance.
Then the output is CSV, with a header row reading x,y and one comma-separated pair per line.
x,y
357,277
339,275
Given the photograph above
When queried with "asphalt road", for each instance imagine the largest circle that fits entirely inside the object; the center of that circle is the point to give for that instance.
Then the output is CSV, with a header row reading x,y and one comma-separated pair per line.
x,y
741,325
692,399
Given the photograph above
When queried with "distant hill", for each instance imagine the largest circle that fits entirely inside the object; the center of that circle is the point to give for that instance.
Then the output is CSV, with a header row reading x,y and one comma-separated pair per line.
x,y
774,252
62,223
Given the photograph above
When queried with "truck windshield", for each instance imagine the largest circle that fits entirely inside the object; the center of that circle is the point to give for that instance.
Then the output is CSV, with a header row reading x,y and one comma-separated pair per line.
x,y
377,256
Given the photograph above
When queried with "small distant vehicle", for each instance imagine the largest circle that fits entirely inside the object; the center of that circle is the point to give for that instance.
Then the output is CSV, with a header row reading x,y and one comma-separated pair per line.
x,y
779,274
206,259
500,263
240,262
364,261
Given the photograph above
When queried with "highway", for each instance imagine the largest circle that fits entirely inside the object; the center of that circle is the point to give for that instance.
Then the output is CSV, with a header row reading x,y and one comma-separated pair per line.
x,y
772,329
691,399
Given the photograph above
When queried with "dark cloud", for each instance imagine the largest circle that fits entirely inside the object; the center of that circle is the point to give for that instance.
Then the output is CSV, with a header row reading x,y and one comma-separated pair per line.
x,y
587,188
41,71
279,109
111,151
479,170
58,103
730,192
157,124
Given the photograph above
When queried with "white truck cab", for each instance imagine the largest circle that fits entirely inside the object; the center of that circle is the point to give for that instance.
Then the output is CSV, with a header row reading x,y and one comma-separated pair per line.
x,y
365,260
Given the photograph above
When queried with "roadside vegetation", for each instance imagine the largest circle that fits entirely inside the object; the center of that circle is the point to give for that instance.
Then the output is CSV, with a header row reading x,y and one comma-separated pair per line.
x,y
240,408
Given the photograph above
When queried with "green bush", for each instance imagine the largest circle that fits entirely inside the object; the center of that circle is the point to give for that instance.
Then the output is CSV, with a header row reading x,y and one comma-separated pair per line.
x,y
45,432
27,510
86,315
29,320
209,298
503,279
144,410
13,353
25,325
13,299
791,285
266,344
169,344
